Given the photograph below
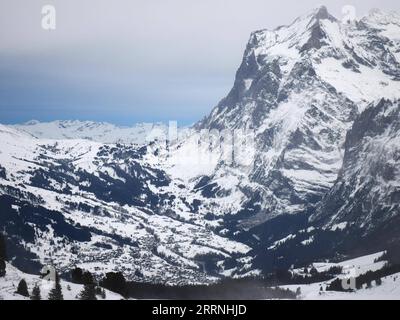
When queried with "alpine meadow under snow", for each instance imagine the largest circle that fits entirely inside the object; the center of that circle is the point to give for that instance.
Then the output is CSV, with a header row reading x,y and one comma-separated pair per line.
x,y
312,179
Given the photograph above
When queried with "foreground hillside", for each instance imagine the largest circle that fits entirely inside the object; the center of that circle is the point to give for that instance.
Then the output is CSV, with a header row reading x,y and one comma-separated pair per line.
x,y
388,288
71,291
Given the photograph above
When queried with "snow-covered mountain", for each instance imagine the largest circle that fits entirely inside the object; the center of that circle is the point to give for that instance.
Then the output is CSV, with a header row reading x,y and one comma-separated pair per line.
x,y
316,141
96,131
367,191
106,207
300,87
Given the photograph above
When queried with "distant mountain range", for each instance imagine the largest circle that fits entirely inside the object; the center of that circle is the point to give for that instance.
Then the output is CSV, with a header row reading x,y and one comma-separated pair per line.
x,y
95,131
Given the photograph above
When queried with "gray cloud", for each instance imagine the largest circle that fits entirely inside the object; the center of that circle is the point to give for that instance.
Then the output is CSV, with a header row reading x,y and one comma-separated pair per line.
x,y
155,59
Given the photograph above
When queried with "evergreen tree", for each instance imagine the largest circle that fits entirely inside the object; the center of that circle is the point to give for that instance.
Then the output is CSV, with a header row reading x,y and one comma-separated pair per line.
x,y
36,293
88,292
3,255
81,277
115,282
98,291
87,278
3,249
2,268
56,292
76,275
23,288
103,294
283,276
313,271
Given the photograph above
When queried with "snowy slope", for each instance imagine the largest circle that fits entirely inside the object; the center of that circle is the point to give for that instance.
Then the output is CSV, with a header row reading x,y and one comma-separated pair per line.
x,y
107,208
71,291
388,290
96,131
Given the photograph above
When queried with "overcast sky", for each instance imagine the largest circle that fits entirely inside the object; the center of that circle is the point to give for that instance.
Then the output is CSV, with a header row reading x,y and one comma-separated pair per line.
x,y
127,61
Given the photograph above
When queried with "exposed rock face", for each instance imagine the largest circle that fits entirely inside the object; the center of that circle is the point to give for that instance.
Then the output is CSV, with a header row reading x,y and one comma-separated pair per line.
x,y
367,192
300,87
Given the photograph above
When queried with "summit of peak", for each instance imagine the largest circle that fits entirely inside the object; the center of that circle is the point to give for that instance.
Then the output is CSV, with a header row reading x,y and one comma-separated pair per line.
x,y
316,14
320,13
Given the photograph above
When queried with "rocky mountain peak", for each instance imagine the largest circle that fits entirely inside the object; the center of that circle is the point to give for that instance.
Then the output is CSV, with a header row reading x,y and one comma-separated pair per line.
x,y
321,13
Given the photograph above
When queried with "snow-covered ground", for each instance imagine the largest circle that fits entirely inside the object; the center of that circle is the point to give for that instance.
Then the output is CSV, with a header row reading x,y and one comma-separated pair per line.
x,y
388,290
96,131
163,245
71,291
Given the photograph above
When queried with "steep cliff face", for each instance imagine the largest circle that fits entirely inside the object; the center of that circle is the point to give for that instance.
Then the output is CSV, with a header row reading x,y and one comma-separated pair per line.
x,y
299,88
361,212
367,192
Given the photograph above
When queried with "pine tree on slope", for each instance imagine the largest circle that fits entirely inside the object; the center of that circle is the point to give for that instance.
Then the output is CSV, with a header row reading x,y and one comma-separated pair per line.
x,y
3,250
88,292
2,268
56,292
3,255
23,288
36,293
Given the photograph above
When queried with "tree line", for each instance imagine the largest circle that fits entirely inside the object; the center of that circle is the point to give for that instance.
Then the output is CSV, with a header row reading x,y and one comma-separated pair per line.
x,y
367,278
3,255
